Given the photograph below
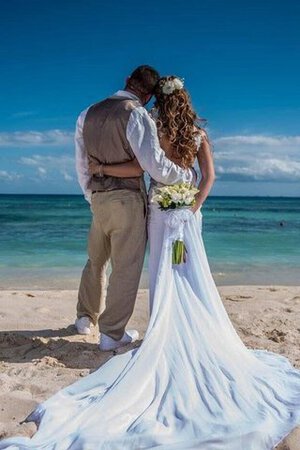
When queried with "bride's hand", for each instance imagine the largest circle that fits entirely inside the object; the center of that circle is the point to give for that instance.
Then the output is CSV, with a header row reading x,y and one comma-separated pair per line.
x,y
195,208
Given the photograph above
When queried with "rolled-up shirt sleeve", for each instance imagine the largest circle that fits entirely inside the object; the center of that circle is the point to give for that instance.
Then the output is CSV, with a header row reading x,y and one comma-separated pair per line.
x,y
141,133
81,158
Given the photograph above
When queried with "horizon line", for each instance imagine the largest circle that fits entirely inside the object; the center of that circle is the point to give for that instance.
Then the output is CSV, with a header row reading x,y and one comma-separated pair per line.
x,y
210,196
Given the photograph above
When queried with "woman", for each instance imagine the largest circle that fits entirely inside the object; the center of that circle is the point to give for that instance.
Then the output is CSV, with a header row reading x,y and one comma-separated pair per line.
x,y
192,384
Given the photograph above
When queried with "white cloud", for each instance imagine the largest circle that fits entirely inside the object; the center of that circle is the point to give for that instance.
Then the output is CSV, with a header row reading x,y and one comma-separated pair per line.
x,y
9,176
22,114
49,138
51,167
42,173
257,158
52,162
29,161
270,170
270,141
67,176
237,157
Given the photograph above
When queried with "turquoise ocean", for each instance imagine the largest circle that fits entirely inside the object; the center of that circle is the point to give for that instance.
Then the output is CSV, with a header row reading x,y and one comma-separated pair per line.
x,y
248,240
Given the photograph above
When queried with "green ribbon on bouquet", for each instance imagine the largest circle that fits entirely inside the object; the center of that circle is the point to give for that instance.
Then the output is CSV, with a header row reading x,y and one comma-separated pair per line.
x,y
175,223
179,252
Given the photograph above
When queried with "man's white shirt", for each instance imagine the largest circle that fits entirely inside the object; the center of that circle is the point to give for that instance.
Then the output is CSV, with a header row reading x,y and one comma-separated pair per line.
x,y
141,133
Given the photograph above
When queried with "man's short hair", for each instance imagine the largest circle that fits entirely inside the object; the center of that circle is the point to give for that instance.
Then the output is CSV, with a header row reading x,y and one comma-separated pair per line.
x,y
143,80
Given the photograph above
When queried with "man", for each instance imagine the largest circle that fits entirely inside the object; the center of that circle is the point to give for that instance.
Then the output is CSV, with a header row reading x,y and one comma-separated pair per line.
x,y
116,130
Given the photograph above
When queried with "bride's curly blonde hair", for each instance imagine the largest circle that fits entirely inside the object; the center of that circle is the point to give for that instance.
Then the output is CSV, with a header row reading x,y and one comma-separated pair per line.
x,y
177,120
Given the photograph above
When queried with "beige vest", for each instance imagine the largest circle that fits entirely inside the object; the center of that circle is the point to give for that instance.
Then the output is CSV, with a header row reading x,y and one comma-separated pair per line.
x,y
104,136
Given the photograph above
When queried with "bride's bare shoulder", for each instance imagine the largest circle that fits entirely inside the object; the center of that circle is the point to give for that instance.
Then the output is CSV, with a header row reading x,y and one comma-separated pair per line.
x,y
201,132
203,138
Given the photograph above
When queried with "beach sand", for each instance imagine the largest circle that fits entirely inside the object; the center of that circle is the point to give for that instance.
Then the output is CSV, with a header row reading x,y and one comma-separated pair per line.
x,y
40,352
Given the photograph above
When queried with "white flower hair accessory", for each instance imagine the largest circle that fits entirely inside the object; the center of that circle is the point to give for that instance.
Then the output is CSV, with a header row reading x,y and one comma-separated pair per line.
x,y
169,86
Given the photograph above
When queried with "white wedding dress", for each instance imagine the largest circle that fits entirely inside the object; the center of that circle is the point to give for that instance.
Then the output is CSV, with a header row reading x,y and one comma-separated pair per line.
x,y
192,384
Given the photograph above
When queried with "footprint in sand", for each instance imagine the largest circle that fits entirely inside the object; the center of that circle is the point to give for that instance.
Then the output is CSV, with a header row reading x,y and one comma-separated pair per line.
x,y
47,361
296,299
238,298
42,310
276,335
37,390
9,339
268,289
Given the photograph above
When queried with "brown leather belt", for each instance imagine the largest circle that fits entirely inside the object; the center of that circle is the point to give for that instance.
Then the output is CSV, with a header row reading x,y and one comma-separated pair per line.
x,y
118,189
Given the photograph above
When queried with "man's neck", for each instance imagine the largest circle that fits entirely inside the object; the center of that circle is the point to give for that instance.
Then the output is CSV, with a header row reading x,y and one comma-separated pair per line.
x,y
134,93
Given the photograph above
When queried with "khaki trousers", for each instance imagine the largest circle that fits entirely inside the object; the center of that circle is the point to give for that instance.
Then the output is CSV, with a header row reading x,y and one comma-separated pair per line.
x,y
118,234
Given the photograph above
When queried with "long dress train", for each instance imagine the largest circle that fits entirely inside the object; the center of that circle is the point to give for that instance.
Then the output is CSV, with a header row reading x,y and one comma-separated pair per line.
x,y
191,385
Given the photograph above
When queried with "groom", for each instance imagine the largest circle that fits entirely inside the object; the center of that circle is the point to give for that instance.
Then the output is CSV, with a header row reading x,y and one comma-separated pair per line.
x,y
116,130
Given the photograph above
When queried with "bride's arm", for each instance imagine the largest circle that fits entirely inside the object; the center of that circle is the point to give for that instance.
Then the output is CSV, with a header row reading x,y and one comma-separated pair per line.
x,y
206,165
128,169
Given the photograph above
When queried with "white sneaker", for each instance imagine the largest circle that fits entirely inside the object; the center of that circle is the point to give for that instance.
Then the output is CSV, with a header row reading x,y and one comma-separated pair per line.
x,y
107,343
83,325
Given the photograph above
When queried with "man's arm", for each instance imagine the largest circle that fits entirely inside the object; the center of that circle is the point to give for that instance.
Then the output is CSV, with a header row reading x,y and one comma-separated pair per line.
x,y
81,158
142,135
127,169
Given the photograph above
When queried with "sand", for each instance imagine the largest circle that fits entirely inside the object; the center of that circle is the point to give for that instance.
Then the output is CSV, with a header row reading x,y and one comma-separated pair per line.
x,y
41,353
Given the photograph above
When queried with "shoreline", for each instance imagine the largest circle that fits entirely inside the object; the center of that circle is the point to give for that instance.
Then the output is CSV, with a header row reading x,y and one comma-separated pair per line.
x,y
41,353
20,289
61,278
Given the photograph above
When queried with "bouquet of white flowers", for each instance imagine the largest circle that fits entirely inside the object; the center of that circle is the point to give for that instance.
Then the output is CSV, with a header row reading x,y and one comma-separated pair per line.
x,y
176,196
172,198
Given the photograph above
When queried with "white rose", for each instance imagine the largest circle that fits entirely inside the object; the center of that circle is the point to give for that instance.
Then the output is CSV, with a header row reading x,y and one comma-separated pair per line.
x,y
157,198
188,200
178,84
176,197
171,85
168,87
166,191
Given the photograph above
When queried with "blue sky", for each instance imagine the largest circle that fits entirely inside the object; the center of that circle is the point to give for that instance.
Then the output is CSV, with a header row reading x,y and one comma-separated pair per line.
x,y
239,60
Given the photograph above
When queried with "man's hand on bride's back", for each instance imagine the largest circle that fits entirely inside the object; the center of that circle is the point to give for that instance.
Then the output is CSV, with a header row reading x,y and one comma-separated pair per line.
x,y
128,169
94,167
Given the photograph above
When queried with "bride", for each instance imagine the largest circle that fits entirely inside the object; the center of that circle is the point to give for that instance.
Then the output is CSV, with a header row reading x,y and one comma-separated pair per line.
x,y
192,384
